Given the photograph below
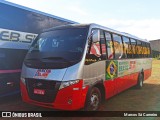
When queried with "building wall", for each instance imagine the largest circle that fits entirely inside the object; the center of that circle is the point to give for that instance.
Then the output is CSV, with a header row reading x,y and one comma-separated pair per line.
x,y
155,45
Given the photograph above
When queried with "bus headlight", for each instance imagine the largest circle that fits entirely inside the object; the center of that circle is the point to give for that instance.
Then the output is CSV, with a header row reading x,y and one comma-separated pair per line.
x,y
23,80
68,83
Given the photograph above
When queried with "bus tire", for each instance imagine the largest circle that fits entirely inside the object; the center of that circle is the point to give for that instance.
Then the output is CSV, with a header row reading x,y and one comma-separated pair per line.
x,y
93,100
140,81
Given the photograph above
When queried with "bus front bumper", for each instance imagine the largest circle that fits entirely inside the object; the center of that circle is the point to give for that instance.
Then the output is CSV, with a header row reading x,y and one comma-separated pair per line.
x,y
70,98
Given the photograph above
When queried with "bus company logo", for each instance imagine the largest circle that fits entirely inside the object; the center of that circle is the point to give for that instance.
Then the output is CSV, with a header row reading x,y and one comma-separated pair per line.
x,y
42,73
112,70
16,36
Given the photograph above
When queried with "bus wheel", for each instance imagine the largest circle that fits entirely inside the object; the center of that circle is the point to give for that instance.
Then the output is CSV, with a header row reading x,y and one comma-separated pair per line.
x,y
93,100
140,81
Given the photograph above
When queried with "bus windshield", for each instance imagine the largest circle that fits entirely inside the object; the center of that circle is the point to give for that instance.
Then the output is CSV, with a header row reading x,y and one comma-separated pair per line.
x,y
60,46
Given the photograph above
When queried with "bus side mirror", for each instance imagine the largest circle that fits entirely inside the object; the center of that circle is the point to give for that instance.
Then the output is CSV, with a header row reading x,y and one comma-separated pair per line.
x,y
95,36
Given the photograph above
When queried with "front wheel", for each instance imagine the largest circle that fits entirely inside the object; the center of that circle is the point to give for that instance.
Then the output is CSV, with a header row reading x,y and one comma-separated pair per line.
x,y
93,99
140,81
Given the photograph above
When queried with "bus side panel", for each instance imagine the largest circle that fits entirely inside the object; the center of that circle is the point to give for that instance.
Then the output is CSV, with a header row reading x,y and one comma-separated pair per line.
x,y
134,77
123,83
117,85
147,73
76,97
129,81
120,84
109,88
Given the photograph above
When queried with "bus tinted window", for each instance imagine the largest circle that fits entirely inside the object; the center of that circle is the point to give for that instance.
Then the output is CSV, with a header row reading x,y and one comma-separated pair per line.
x,y
68,41
103,45
95,48
109,45
118,46
139,48
148,50
133,44
127,47
143,49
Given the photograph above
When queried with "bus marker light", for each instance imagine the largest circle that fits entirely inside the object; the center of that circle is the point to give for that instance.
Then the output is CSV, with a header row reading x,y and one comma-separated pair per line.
x,y
10,83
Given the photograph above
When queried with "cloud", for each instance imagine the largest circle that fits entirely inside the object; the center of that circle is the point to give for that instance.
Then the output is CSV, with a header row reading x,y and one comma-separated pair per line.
x,y
146,29
77,10
72,10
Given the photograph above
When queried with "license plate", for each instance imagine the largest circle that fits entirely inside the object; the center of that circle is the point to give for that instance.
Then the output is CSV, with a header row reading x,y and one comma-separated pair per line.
x,y
39,91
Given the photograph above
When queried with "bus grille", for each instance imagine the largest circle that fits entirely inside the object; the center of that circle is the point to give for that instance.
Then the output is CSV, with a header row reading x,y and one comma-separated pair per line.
x,y
50,87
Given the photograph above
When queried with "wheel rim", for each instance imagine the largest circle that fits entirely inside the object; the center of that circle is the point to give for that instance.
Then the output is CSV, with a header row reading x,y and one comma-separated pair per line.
x,y
94,102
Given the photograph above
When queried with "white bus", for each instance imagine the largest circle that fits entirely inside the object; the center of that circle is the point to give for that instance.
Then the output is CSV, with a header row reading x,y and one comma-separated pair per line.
x,y
77,66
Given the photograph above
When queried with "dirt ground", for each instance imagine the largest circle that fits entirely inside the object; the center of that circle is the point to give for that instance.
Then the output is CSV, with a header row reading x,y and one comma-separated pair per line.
x,y
145,99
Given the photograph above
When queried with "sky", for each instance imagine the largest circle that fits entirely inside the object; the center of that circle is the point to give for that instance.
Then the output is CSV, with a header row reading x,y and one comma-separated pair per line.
x,y
138,17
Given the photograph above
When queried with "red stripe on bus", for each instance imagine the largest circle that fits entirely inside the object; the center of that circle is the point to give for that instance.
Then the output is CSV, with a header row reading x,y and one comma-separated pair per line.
x,y
10,71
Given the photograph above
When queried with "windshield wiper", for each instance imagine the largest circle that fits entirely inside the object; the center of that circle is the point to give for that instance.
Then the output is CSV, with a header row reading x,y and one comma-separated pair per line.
x,y
56,58
32,59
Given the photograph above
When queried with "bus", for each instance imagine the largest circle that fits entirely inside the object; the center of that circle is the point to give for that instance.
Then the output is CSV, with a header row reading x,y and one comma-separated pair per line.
x,y
19,26
77,66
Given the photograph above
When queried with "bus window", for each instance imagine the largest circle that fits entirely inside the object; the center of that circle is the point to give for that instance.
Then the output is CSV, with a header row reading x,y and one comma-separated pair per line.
x,y
103,45
109,44
94,53
127,47
95,48
148,50
139,48
133,44
147,55
98,48
144,50
118,46
150,54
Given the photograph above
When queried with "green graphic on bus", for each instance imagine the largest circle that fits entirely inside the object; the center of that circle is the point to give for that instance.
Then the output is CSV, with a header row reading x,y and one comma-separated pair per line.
x,y
111,69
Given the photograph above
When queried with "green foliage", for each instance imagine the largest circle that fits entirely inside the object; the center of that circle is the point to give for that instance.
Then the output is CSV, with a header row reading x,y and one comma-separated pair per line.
x,y
156,55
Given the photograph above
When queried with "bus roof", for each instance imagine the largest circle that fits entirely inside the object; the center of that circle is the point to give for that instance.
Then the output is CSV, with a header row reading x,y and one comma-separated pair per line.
x,y
118,32
93,25
36,11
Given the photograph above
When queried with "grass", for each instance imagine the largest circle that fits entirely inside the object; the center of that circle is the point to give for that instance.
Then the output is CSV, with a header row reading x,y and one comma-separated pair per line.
x,y
155,70
155,65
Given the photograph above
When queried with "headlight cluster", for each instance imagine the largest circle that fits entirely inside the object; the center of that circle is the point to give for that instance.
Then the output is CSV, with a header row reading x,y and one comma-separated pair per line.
x,y
23,80
68,83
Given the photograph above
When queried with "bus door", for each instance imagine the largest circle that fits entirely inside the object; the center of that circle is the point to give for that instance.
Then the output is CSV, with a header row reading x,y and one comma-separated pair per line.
x,y
111,68
94,69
